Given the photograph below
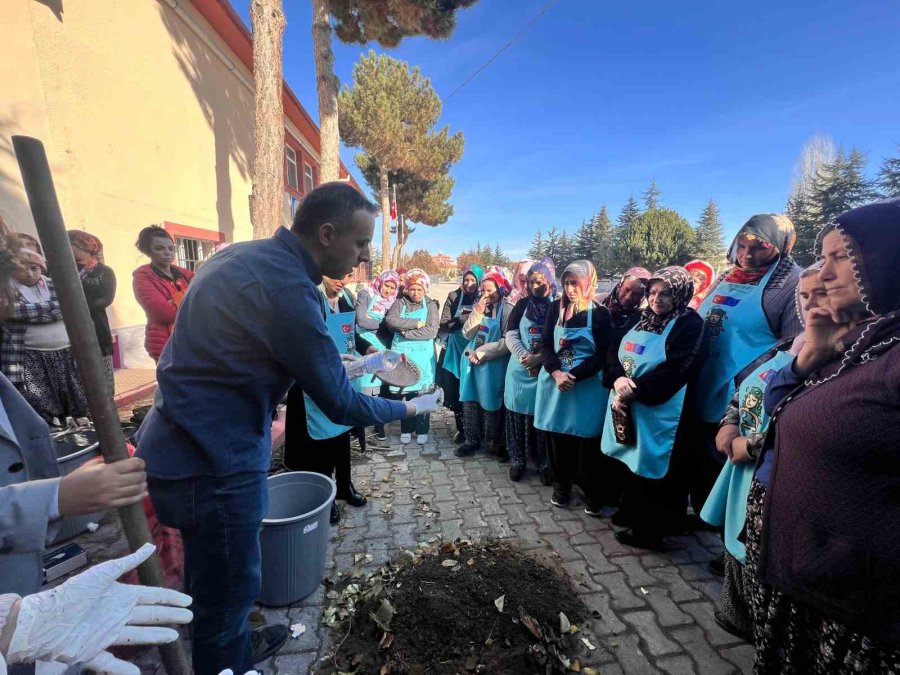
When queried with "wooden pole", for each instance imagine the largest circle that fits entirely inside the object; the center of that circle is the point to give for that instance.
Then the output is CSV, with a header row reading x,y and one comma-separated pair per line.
x,y
51,229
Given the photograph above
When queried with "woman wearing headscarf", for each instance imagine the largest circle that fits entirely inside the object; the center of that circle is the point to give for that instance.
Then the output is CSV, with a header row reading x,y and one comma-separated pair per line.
x,y
824,531
704,276
570,394
457,308
413,320
740,438
652,372
483,367
625,299
747,311
520,281
524,335
372,305
99,284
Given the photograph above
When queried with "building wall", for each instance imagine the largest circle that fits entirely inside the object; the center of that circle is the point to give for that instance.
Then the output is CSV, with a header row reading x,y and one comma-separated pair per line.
x,y
143,123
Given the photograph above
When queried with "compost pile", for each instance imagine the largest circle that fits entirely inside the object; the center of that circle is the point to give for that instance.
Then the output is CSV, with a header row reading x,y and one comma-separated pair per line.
x,y
457,607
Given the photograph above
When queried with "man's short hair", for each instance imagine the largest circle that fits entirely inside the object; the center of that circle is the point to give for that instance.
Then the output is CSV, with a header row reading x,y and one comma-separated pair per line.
x,y
333,203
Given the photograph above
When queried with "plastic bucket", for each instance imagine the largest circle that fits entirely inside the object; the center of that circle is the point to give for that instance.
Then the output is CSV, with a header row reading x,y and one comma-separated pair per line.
x,y
294,537
72,526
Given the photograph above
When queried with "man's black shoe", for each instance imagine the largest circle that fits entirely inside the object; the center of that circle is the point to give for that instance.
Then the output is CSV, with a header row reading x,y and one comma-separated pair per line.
x,y
351,496
266,641
465,450
516,473
630,538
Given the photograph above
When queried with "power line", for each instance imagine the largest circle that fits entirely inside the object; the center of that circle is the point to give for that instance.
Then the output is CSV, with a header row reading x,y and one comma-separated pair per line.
x,y
509,44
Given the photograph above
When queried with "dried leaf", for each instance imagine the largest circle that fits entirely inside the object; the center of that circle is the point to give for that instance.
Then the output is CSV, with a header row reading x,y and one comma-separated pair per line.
x,y
385,669
449,562
359,557
564,624
385,479
532,625
447,548
587,643
575,666
470,562
386,641
384,615
498,603
574,629
591,671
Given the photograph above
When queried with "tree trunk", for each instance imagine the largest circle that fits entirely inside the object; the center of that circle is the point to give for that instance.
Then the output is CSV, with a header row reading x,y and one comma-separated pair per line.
x,y
385,194
268,22
327,85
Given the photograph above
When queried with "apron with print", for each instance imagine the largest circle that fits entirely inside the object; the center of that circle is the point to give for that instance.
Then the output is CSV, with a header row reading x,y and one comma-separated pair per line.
x,y
484,383
655,425
456,341
341,327
420,352
727,502
520,389
579,411
738,333
375,310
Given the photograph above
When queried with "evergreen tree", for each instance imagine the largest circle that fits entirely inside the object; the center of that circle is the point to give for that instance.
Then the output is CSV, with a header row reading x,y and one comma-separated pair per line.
x,y
889,176
538,246
651,196
553,249
566,250
585,246
658,238
709,238
621,259
498,256
604,251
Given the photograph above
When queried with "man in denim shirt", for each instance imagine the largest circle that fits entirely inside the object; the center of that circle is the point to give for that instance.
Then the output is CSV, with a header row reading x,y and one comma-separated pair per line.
x,y
249,326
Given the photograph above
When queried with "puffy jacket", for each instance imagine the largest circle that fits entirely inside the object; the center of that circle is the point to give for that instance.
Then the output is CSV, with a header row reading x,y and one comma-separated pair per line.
x,y
155,296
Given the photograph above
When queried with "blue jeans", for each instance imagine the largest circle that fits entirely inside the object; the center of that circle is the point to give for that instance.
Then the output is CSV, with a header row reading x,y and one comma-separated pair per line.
x,y
219,520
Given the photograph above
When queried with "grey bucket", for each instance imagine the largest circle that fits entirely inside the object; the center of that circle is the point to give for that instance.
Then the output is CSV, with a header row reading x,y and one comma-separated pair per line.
x,y
72,526
294,537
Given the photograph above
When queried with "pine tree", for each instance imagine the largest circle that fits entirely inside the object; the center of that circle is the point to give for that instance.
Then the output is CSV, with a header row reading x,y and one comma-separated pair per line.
x,y
553,249
651,196
709,237
621,257
889,176
630,212
585,246
498,256
566,251
604,251
658,238
538,247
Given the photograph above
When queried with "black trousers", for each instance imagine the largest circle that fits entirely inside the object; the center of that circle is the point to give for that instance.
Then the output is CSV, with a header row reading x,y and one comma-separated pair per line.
x,y
700,462
576,460
330,456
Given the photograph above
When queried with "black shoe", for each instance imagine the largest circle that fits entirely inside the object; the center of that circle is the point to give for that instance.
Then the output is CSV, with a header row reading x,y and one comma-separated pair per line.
x,y
561,497
547,477
458,438
717,565
266,641
351,496
629,538
729,627
465,450
335,517
593,510
620,518
516,473
502,456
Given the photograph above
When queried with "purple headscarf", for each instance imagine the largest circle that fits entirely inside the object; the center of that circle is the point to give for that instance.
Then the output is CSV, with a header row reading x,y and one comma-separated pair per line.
x,y
537,307
383,304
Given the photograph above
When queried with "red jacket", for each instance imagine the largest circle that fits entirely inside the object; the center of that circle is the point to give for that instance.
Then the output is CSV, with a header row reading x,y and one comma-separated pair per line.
x,y
155,295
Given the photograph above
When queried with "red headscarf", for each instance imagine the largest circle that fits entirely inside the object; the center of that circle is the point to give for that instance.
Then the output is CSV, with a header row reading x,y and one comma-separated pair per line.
x,y
700,290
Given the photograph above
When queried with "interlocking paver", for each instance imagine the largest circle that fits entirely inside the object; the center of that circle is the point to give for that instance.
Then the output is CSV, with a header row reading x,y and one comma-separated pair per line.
x,y
652,637
707,659
622,595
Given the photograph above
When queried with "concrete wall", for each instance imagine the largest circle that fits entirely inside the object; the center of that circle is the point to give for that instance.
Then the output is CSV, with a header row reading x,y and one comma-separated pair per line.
x,y
142,121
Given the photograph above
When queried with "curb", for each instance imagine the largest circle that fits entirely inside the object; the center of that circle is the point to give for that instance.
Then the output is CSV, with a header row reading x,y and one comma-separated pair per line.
x,y
132,395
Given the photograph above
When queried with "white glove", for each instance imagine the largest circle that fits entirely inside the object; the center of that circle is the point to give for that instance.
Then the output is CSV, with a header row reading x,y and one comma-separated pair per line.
x,y
428,403
77,621
228,671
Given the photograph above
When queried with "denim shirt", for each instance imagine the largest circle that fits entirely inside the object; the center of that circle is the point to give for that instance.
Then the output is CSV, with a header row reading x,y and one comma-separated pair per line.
x,y
250,325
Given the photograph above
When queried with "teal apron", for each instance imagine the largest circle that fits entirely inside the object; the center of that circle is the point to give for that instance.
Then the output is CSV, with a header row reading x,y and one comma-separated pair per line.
x,y
727,503
375,310
341,328
656,425
483,383
520,389
456,341
738,333
420,352
579,411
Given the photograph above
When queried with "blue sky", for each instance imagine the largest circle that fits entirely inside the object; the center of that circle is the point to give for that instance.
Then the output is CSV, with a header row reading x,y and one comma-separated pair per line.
x,y
711,99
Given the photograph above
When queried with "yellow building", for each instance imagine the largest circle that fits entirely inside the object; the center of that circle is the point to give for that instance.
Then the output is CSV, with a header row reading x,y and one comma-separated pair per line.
x,y
145,108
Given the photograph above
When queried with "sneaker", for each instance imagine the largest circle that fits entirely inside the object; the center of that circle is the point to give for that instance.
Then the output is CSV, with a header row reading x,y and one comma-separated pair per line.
x,y
465,450
422,439
405,438
560,497
516,473
381,437
593,510
266,641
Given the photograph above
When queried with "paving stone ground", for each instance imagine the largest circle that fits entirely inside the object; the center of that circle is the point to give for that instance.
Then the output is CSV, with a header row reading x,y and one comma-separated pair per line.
x,y
655,608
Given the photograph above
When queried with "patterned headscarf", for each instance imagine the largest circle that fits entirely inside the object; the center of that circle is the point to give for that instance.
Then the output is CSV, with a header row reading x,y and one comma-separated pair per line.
x,y
774,230
520,280
500,276
709,272
417,276
584,272
679,281
89,244
537,307
612,302
383,304
27,256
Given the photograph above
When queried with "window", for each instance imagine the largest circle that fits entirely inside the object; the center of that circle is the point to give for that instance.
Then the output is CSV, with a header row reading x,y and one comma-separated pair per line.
x,y
191,251
308,179
290,160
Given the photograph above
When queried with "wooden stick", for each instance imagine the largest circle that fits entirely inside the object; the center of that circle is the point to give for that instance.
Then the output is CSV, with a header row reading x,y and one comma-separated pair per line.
x,y
51,229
